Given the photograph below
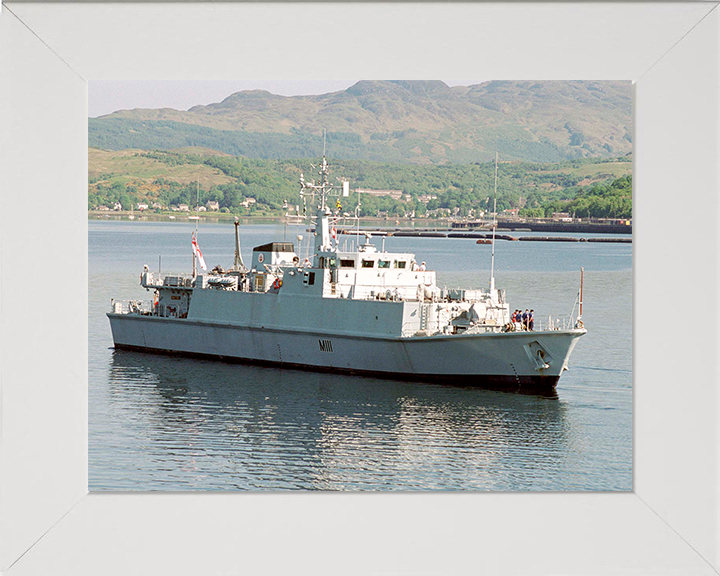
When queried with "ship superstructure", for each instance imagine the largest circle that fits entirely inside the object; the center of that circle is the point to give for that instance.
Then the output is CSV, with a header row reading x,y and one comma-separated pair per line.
x,y
362,311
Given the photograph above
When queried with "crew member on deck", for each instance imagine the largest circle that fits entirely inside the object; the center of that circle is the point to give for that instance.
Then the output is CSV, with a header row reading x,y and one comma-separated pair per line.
x,y
422,267
531,320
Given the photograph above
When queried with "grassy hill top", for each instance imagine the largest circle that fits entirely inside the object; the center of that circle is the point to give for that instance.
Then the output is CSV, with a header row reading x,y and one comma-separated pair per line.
x,y
128,166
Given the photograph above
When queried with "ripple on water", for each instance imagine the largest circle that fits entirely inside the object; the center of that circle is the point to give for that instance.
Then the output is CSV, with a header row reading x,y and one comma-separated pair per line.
x,y
161,423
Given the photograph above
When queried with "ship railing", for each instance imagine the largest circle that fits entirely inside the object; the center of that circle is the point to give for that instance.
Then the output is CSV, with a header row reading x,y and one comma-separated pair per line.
x,y
379,292
140,307
554,323
408,329
414,329
425,328
180,280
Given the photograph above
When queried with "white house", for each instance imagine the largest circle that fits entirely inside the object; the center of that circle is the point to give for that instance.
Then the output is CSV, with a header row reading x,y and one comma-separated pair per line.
x,y
394,194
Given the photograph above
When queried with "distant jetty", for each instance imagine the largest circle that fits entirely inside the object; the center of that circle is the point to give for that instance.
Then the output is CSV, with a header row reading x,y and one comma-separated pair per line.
x,y
576,227
482,238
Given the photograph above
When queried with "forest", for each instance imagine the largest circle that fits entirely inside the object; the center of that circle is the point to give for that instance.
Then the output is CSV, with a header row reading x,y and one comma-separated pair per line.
x,y
588,187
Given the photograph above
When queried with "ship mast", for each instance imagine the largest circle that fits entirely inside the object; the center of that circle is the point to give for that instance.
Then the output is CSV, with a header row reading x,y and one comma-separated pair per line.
x,y
197,205
323,189
324,175
492,257
197,219
238,264
582,274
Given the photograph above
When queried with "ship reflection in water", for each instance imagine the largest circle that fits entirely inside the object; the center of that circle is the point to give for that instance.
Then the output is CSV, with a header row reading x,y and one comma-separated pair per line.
x,y
183,424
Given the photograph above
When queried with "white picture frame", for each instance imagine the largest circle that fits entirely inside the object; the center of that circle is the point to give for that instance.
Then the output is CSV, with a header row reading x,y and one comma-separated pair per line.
x,y
669,524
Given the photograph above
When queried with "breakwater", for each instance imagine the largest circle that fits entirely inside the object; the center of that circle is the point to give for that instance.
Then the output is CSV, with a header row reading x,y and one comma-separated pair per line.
x,y
482,238
572,227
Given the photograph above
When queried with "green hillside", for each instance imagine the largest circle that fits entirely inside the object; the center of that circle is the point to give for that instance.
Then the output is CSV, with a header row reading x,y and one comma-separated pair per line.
x,y
411,122
171,177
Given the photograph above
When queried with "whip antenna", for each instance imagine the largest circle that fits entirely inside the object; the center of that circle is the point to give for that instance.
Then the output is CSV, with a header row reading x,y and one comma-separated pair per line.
x,y
492,257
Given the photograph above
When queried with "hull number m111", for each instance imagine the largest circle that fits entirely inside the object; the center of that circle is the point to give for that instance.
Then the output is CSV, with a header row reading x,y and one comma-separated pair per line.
x,y
325,345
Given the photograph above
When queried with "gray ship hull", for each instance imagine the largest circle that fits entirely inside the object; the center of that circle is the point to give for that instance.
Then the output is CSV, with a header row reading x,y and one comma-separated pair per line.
x,y
488,360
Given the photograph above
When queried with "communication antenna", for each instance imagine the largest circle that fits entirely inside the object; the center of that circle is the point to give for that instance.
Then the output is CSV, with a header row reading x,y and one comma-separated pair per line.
x,y
492,257
323,189
197,219
357,215
582,274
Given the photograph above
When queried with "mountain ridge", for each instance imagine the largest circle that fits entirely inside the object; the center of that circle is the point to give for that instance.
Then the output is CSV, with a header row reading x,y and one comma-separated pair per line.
x,y
417,122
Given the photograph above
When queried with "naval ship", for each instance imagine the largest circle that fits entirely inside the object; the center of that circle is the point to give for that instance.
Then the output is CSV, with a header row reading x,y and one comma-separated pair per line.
x,y
364,311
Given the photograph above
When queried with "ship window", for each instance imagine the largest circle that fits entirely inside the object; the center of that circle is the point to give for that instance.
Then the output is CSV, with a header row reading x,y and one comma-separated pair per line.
x,y
311,279
368,263
400,264
322,262
347,263
332,262
383,263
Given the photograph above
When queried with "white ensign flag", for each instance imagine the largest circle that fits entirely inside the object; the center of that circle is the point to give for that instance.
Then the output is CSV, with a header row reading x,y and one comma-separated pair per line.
x,y
198,254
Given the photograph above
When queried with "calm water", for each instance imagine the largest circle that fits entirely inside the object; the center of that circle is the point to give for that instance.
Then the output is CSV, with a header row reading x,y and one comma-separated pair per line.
x,y
163,423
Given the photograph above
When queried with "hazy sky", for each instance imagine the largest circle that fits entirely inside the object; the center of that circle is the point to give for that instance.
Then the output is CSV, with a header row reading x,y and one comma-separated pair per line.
x,y
106,96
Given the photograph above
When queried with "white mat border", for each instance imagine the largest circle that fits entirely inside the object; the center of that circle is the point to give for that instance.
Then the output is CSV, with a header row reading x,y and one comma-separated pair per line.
x,y
674,513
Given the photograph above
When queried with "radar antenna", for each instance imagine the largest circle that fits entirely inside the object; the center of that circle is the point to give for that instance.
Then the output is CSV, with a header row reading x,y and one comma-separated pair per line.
x,y
323,190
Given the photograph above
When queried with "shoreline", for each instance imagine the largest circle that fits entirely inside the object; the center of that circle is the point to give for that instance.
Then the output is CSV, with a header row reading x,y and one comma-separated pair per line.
x,y
223,218
417,228
377,224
